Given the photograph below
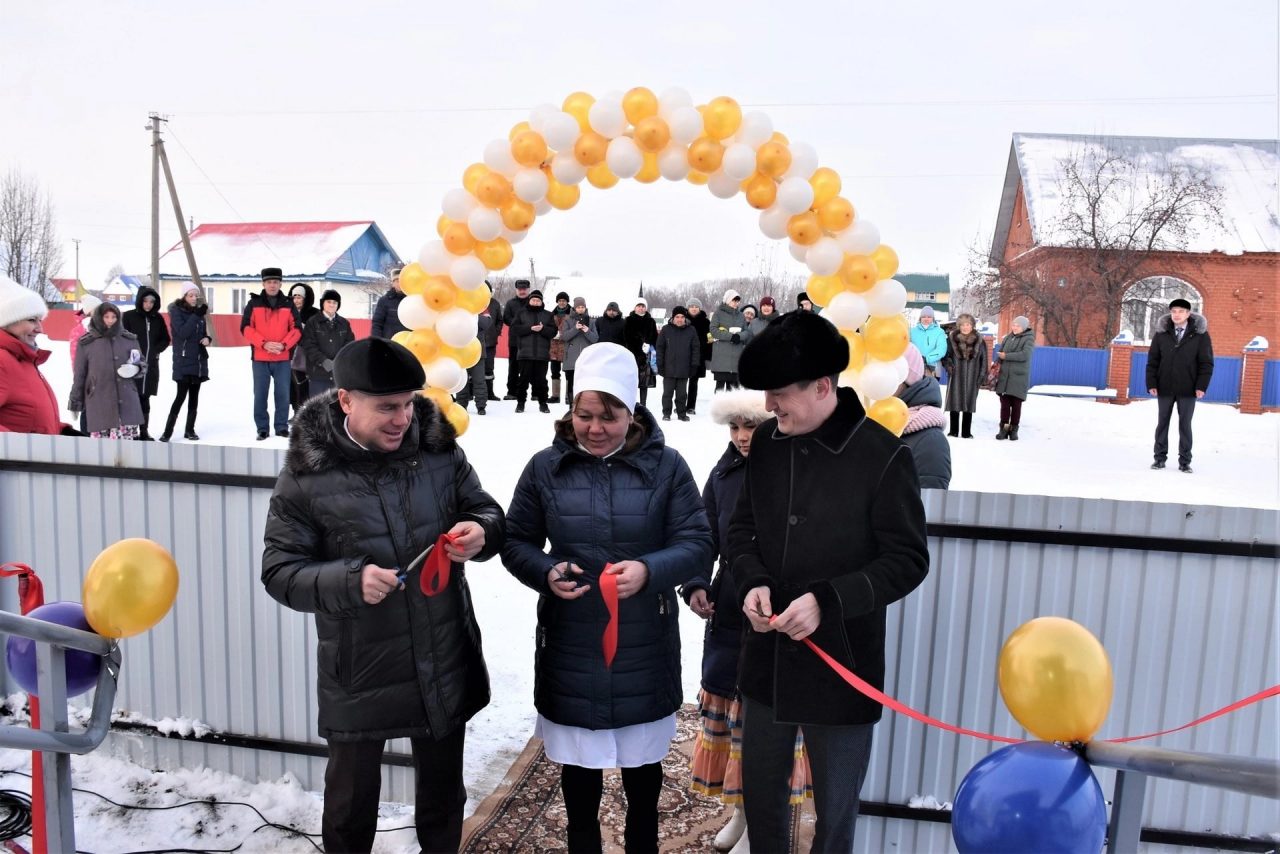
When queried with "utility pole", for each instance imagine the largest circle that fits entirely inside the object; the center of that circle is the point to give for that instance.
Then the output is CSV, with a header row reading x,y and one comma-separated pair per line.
x,y
76,241
154,127
533,277
161,160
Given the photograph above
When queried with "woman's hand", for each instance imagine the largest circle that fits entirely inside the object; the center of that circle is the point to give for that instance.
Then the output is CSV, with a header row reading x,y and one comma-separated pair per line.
x,y
633,575
700,604
563,580
1000,355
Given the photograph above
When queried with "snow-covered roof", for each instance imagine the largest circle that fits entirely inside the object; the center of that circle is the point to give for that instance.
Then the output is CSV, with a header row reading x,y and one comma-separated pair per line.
x,y
120,288
1247,171
242,249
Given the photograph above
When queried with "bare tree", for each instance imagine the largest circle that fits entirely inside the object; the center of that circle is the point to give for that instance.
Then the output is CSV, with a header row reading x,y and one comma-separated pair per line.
x,y
29,250
1118,214
114,273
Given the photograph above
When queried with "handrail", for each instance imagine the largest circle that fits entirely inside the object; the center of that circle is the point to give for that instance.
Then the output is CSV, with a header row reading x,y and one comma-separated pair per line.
x,y
1245,774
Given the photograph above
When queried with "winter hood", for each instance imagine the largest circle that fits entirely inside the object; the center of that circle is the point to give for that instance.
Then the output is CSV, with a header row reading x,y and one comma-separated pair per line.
x,y
143,293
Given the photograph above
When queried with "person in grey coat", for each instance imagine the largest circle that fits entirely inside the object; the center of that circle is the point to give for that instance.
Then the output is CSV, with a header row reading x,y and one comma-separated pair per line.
x,y
578,334
107,360
729,335
679,357
923,433
1015,375
966,367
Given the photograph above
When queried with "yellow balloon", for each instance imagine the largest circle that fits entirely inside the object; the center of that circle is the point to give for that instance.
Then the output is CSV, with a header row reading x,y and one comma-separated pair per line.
x,y
891,414
577,105
773,159
458,417
780,137
600,177
822,289
516,130
590,148
442,224
466,356
886,261
857,348
413,278
129,588
529,148
559,196
440,397
517,214
835,214
652,134
826,186
424,344
475,300
493,190
696,177
457,239
886,337
402,337
471,177
722,117
762,191
1056,679
859,273
495,254
639,104
804,228
650,171
440,293
705,155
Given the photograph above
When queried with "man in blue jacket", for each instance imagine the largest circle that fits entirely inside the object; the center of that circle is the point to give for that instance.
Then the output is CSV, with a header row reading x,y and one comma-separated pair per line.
x,y
930,340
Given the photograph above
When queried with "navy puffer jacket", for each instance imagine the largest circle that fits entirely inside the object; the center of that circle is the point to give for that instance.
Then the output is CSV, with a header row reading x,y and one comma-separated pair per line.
x,y
190,357
639,504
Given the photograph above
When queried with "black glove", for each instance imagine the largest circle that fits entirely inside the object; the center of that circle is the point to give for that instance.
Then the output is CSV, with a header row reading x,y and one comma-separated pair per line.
x,y
68,430
736,339
327,364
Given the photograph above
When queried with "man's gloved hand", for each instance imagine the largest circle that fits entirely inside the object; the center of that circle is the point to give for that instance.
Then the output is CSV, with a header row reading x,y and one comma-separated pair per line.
x,y
736,339
327,364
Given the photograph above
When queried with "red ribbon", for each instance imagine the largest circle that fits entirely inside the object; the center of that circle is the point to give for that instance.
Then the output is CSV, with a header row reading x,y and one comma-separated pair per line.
x,y
1236,706
609,591
435,573
30,597
30,590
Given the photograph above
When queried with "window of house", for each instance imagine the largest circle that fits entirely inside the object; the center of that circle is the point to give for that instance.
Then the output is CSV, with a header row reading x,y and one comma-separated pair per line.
x,y
1147,300
239,299
208,298
373,303
927,296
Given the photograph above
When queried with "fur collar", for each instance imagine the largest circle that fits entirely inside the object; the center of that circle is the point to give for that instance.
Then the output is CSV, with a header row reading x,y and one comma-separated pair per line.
x,y
1196,323
318,441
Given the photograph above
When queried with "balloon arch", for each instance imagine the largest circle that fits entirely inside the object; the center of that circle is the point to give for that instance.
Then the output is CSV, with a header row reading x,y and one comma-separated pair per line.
x,y
541,166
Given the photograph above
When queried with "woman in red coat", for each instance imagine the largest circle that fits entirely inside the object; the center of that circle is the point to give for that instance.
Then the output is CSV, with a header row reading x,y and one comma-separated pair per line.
x,y
27,402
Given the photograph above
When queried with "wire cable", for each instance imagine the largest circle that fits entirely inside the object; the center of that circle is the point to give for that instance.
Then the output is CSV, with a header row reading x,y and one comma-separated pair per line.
x,y
15,814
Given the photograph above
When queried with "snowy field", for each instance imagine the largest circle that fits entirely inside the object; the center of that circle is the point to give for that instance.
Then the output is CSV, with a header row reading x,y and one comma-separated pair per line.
x,y
1067,446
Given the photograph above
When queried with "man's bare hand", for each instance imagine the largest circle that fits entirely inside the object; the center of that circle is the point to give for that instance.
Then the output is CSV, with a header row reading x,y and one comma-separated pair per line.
x,y
758,608
801,618
376,583
468,541
633,575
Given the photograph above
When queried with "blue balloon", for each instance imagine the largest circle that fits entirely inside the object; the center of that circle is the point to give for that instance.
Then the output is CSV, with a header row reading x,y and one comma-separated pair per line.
x,y
1030,797
82,668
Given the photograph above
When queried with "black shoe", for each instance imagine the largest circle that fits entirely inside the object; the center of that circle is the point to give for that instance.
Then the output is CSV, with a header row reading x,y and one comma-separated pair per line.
x,y
1185,468
284,433
1158,464
190,436
520,406
480,411
666,418
164,437
1004,432
542,407
554,399
510,397
683,417
262,434
691,411
1013,433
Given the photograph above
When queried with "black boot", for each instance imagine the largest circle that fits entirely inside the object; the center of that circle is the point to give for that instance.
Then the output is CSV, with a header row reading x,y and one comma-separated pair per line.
x,y
168,426
966,425
1013,432
519,406
955,425
1004,432
542,406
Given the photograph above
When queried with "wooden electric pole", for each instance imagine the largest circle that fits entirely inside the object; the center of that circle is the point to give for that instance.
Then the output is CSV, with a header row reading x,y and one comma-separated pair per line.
x,y
160,160
154,127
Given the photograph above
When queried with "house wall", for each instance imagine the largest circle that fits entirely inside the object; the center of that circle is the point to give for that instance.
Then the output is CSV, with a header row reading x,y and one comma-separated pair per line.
x,y
357,303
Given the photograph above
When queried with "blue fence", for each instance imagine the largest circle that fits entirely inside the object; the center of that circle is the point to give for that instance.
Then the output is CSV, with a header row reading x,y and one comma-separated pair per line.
x,y
1224,387
1063,366
1271,383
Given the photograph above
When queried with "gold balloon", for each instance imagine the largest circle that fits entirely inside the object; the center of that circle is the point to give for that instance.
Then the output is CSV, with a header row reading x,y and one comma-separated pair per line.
x,y
496,254
413,278
600,177
705,155
804,228
886,261
402,337
440,397
835,214
493,190
440,294
424,344
516,130
529,148
517,214
466,356
652,134
475,300
762,191
458,417
457,239
129,588
722,117
442,223
590,148
649,171
891,414
773,159
1056,679
561,196
826,186
578,105
857,348
696,177
823,289
859,273
471,177
639,104
780,137
887,337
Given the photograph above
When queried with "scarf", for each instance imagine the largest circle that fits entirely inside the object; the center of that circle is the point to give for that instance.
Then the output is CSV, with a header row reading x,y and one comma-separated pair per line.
x,y
924,417
965,345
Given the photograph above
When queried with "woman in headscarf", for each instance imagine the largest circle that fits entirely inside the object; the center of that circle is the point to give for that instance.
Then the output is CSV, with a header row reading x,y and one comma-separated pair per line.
x,y
107,360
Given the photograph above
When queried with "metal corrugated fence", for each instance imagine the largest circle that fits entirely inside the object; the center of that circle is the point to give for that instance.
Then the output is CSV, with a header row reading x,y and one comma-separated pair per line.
x,y
1271,383
1186,632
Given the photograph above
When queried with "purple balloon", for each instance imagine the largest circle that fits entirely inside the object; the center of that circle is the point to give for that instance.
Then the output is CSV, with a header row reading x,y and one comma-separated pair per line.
x,y
82,667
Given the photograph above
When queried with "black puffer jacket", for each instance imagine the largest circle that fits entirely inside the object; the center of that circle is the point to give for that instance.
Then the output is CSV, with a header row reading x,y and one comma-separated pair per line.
x,y
929,447
1180,369
152,333
410,666
612,330
530,344
639,504
679,353
386,315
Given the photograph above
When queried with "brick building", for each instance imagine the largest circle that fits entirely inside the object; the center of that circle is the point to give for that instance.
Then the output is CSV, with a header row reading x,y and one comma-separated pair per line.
x,y
1229,271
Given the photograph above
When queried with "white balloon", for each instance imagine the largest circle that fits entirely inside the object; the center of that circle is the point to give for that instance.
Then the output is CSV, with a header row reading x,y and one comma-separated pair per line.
x,y
673,162
878,380
485,223
847,311
530,185
434,258
414,312
900,365
542,207
886,298
795,195
514,237
739,161
824,257
444,373
560,131
798,252
566,168
773,222
624,157
467,272
538,116
804,159
756,129
456,327
850,379
673,99
497,156
458,204
723,186
861,238
685,125
607,118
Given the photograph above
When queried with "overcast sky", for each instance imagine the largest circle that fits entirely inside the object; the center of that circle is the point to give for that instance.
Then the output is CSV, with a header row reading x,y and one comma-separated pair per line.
x,y
347,111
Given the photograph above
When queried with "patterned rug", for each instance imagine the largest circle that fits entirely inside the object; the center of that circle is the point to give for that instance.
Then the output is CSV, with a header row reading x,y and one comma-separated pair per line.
x,y
526,811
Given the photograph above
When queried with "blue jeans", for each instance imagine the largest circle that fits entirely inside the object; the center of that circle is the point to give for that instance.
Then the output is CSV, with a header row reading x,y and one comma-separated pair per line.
x,y
264,373
838,757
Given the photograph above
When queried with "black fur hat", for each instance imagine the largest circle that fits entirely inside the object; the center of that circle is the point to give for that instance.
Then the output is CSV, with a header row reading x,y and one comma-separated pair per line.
x,y
272,273
331,294
377,366
799,346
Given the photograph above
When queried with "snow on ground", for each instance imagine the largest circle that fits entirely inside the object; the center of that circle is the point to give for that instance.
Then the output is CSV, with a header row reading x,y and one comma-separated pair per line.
x,y
1067,446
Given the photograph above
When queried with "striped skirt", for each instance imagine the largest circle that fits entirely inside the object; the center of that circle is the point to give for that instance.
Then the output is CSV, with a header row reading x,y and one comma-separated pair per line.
x,y
717,756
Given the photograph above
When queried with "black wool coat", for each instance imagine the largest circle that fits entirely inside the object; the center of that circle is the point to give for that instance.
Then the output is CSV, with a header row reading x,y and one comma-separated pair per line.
x,y
411,665
152,334
702,323
1180,369
527,344
386,315
679,353
640,329
835,513
322,338
611,330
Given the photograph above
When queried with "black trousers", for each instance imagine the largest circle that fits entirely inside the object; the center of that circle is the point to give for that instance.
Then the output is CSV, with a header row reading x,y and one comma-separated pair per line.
x,y
961,426
475,389
568,386
693,393
1186,408
555,369
679,388
299,389
726,381
140,383
582,788
186,388
532,374
353,784
513,373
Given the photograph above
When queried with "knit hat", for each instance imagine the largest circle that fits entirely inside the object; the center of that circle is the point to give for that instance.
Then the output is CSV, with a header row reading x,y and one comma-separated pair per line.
x,y
330,294
768,301
272,273
19,303
743,404
694,302
797,347
1180,303
579,301
187,288
802,298
536,294
1021,320
915,364
680,311
614,306
377,366
731,295
609,368
752,307
89,302
563,295
927,311
642,301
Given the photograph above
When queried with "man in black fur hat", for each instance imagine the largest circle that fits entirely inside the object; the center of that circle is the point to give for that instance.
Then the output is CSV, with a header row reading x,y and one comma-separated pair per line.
x,y
829,529
372,478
